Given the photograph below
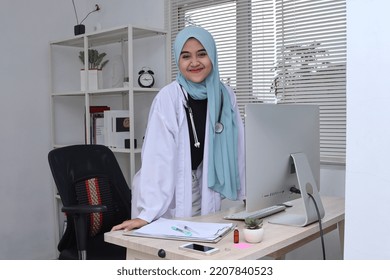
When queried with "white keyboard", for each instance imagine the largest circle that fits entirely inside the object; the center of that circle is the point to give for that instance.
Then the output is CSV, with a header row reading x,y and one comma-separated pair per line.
x,y
256,214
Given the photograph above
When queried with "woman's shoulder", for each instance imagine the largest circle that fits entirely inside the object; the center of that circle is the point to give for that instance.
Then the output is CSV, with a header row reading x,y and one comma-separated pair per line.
x,y
169,91
169,96
170,88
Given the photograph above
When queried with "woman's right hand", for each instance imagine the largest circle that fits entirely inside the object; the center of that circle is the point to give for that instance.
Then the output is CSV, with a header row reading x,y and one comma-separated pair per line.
x,y
130,224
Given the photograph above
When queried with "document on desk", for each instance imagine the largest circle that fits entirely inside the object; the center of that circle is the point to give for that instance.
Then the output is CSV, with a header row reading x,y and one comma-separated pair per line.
x,y
183,230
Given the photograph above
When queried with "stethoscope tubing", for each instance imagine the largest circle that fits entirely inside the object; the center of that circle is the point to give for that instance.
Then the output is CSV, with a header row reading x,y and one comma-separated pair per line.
x,y
218,125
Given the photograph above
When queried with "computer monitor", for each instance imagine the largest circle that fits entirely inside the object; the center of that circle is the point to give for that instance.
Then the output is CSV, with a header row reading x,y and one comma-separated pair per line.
x,y
283,151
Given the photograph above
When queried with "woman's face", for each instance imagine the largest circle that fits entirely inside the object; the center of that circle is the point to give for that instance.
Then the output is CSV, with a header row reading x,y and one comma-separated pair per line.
x,y
194,63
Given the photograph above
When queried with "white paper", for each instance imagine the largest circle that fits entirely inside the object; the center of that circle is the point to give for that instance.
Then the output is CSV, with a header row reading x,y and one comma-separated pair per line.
x,y
180,229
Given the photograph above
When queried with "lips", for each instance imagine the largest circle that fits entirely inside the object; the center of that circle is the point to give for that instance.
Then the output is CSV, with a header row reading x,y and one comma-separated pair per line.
x,y
195,70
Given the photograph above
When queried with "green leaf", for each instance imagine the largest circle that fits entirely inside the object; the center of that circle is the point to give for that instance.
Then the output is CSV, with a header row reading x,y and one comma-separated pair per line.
x,y
94,59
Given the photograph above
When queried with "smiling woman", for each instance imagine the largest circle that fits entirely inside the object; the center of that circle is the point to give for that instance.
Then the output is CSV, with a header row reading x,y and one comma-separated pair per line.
x,y
194,166
194,63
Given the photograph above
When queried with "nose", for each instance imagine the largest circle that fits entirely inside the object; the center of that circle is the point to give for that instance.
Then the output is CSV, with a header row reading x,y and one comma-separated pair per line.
x,y
194,62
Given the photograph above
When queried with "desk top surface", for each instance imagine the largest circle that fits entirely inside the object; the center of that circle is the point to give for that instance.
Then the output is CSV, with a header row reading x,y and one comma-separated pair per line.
x,y
276,237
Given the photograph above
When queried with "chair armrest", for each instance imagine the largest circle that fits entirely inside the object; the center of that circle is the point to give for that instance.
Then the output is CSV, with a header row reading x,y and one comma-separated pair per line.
x,y
80,214
84,209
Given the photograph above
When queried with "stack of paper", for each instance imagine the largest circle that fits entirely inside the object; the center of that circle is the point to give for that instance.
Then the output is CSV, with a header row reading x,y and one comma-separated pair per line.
x,y
183,230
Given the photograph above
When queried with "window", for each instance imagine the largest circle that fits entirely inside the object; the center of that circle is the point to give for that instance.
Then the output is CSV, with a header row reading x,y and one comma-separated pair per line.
x,y
285,51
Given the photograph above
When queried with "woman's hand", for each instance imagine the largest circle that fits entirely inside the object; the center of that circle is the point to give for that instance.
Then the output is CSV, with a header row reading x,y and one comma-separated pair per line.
x,y
130,224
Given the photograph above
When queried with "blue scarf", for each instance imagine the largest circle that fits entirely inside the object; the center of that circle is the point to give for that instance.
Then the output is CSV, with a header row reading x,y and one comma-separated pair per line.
x,y
223,175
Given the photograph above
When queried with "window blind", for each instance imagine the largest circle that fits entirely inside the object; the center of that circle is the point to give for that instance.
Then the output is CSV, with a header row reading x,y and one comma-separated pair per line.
x,y
278,51
311,65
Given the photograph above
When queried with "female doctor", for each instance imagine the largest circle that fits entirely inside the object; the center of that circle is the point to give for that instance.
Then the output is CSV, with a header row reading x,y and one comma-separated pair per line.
x,y
193,152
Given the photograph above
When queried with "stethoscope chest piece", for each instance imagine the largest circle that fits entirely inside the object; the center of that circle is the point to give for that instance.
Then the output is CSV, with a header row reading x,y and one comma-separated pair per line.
x,y
218,127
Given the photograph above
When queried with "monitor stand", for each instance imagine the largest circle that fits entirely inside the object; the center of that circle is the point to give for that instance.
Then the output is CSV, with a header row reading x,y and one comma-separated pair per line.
x,y
307,185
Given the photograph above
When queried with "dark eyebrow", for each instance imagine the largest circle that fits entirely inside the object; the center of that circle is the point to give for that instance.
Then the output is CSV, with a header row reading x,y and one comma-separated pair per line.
x,y
201,50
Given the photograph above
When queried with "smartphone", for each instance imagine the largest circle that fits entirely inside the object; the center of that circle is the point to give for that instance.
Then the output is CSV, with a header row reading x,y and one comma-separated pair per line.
x,y
207,250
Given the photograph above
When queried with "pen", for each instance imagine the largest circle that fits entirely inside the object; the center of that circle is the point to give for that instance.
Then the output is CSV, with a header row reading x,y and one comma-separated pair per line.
x,y
190,229
186,232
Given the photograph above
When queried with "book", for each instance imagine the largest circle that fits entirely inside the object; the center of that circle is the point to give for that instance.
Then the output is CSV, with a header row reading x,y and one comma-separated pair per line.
x,y
98,130
96,114
183,230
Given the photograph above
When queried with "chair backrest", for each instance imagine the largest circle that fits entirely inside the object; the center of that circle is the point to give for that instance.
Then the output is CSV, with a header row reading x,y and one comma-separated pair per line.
x,y
89,175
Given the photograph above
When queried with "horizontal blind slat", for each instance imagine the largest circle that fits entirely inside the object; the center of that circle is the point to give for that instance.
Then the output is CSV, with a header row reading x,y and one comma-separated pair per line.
x,y
258,42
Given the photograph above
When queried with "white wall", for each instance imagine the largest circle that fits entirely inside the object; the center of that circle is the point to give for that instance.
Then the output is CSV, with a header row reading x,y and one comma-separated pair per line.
x,y
27,228
26,197
148,13
368,130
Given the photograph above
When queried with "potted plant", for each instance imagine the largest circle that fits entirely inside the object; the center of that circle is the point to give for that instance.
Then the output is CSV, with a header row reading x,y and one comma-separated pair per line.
x,y
253,231
298,62
95,66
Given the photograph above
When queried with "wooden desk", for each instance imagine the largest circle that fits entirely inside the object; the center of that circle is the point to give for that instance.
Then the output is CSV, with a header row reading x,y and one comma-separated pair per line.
x,y
278,239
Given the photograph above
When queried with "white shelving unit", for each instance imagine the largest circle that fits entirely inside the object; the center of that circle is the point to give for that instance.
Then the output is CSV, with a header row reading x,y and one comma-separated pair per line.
x,y
138,47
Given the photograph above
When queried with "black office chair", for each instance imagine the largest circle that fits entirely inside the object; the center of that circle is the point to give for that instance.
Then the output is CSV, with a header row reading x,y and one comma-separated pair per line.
x,y
95,197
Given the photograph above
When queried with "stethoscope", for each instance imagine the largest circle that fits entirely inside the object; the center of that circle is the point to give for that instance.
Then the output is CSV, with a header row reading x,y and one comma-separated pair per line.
x,y
218,125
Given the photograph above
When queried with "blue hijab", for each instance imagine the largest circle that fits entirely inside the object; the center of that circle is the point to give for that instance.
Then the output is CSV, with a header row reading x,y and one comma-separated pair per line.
x,y
223,175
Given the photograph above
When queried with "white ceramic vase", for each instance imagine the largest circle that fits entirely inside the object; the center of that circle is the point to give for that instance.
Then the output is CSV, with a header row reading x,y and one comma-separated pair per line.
x,y
253,235
117,71
95,79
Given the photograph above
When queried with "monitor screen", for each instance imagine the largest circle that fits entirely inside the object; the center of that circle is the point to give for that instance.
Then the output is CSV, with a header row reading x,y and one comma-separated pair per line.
x,y
273,132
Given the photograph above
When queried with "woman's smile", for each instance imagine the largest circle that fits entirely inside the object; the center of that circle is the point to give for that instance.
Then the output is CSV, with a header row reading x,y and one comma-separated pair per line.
x,y
194,63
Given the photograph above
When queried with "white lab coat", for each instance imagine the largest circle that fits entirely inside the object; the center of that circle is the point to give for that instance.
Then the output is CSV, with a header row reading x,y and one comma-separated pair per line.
x,y
163,185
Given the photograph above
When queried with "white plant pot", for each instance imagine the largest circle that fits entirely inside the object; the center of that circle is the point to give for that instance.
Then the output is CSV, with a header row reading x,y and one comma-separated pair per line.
x,y
253,235
95,79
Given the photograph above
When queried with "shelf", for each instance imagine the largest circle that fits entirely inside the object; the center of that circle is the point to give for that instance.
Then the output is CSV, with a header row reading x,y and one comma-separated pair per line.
x,y
111,91
70,105
74,93
123,90
126,151
115,150
108,36
139,89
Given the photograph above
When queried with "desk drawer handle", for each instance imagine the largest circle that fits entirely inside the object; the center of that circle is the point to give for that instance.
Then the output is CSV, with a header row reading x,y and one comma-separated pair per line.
x,y
161,253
